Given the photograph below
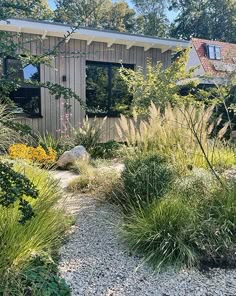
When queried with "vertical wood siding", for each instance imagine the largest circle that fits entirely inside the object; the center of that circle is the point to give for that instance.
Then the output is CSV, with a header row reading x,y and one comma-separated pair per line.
x,y
73,66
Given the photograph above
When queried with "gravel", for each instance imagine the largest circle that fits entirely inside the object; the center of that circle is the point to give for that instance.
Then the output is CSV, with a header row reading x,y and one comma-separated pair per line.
x,y
95,262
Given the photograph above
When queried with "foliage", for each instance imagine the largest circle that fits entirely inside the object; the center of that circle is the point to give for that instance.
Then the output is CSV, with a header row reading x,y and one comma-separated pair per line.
x,y
15,188
25,132
192,225
106,150
97,181
49,141
159,85
7,135
119,17
107,15
152,18
71,11
216,234
37,9
82,167
208,19
176,132
163,232
195,184
38,154
42,233
39,277
89,134
145,177
20,50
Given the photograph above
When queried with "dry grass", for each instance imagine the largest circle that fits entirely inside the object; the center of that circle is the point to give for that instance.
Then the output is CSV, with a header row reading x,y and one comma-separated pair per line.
x,y
7,135
96,181
175,133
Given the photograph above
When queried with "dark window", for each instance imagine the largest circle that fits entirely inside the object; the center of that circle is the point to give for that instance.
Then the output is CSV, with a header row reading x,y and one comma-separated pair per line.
x,y
214,52
106,92
27,97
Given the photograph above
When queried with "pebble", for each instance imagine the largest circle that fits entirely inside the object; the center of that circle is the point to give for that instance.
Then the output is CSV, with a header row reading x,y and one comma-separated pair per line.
x,y
94,262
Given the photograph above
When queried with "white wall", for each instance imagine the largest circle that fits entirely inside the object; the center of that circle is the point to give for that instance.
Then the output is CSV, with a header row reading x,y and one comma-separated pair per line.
x,y
194,61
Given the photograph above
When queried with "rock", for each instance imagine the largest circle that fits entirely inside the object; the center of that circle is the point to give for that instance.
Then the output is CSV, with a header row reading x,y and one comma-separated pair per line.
x,y
70,157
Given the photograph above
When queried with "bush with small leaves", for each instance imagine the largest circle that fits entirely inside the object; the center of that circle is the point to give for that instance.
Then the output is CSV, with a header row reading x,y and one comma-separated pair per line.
x,y
39,277
14,187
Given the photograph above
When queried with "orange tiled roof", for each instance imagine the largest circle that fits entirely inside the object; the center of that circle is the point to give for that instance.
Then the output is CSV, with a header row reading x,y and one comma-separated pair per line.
x,y
228,54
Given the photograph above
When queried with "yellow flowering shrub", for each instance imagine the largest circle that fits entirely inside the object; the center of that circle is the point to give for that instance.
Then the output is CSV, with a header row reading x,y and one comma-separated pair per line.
x,y
35,154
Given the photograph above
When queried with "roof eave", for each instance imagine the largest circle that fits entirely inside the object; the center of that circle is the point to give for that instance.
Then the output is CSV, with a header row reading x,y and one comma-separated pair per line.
x,y
129,40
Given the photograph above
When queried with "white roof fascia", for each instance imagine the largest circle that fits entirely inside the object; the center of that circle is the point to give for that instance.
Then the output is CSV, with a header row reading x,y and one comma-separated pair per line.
x,y
60,30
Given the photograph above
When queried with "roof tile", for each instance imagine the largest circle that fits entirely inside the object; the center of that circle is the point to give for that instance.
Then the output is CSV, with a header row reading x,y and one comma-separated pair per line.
x,y
228,53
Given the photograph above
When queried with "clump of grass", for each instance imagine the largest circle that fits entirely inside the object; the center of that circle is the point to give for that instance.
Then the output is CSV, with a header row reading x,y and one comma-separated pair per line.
x,y
163,233
49,141
176,133
82,167
193,224
89,133
145,177
42,233
7,134
99,182
196,184
217,231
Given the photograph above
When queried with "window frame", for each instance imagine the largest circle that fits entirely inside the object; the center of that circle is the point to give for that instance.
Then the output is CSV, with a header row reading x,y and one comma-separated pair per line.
x,y
216,56
109,65
25,114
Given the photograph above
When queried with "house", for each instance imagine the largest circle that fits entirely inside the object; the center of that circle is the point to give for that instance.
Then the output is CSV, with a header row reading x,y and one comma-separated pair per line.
x,y
214,60
88,63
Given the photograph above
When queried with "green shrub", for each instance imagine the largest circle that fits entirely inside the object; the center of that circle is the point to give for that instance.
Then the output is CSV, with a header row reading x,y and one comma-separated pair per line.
x,y
18,243
106,150
38,277
14,187
145,177
197,184
216,237
163,233
158,84
193,224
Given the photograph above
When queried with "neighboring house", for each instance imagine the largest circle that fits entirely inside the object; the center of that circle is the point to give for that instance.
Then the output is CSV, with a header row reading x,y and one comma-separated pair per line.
x,y
88,63
215,60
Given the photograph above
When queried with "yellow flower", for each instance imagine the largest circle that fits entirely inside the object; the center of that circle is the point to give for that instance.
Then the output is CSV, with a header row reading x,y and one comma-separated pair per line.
x,y
35,154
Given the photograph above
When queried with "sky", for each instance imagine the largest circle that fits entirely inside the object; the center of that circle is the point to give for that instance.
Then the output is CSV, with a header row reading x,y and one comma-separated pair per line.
x,y
171,15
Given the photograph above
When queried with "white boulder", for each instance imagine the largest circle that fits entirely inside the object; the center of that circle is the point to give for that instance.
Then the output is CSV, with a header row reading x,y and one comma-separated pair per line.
x,y
70,157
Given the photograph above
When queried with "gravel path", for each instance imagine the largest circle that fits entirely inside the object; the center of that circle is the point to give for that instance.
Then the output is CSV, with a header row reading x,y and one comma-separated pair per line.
x,y
95,263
